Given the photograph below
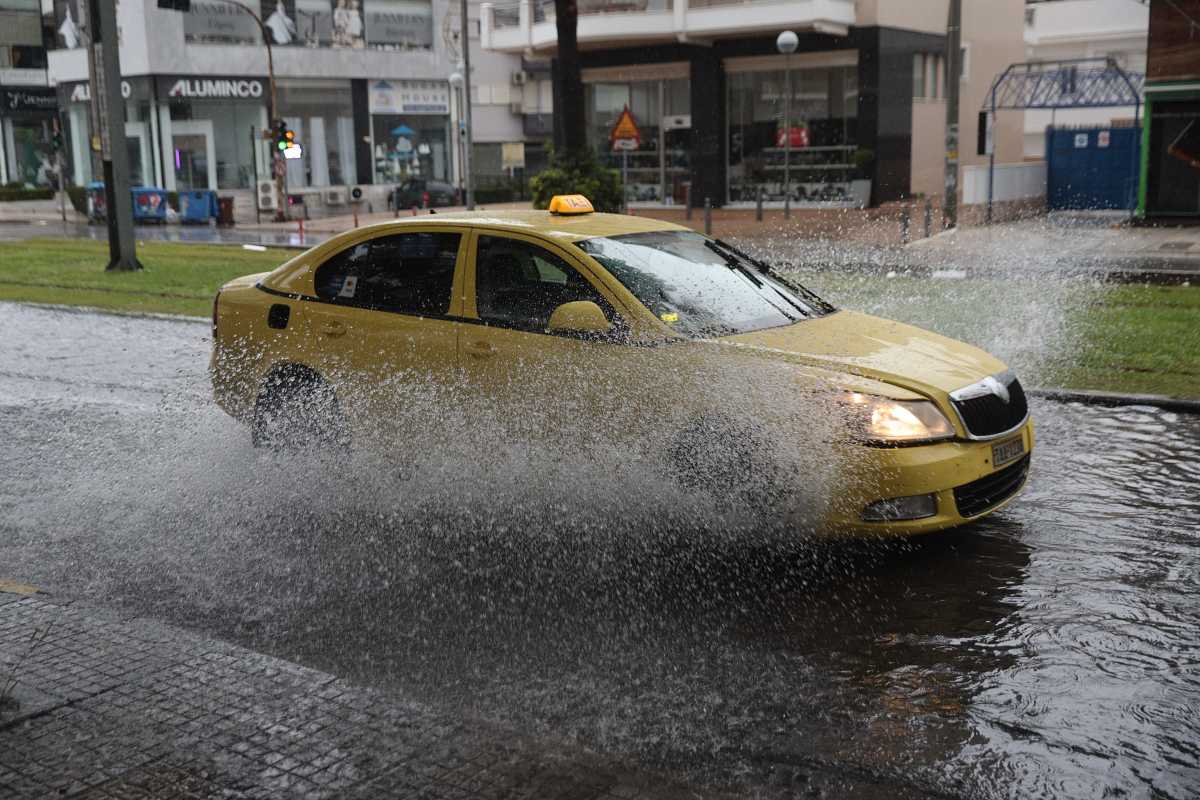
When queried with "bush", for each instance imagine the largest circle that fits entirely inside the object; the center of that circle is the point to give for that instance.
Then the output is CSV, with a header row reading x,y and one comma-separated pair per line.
x,y
9,194
579,173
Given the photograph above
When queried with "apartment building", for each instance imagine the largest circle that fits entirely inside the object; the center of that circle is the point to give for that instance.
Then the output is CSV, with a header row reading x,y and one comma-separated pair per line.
x,y
706,85
1064,30
363,83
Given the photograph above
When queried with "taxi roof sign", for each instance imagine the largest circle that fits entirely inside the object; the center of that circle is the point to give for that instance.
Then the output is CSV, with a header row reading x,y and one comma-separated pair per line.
x,y
570,204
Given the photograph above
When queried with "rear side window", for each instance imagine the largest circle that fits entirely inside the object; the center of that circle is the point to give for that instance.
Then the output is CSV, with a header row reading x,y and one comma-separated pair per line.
x,y
409,273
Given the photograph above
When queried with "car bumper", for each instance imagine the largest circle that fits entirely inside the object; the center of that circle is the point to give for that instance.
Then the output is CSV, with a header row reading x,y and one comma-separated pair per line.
x,y
938,469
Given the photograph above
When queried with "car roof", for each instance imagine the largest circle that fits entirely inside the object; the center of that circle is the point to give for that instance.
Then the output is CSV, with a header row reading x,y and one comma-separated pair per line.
x,y
574,227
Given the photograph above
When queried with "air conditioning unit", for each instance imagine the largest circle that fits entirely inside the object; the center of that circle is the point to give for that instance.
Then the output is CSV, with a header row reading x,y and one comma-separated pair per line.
x,y
519,78
335,197
357,194
267,201
516,107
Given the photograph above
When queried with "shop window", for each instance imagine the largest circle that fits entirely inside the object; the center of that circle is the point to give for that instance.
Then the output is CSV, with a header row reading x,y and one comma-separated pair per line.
x,y
819,137
411,146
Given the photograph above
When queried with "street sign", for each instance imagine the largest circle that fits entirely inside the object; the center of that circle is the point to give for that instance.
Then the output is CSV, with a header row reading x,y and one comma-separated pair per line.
x,y
625,134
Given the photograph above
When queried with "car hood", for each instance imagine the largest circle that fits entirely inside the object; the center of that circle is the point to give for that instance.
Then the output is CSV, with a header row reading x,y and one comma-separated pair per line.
x,y
879,349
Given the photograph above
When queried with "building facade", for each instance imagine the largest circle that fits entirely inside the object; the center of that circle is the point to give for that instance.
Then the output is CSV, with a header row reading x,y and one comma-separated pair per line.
x,y
1073,29
707,88
1170,177
27,104
363,83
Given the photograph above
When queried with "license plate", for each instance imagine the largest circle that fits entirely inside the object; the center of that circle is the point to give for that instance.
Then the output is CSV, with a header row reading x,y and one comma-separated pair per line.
x,y
1007,451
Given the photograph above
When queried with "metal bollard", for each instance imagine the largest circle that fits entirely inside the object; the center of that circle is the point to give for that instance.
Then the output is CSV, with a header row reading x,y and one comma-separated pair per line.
x,y
758,205
708,216
928,217
905,214
687,202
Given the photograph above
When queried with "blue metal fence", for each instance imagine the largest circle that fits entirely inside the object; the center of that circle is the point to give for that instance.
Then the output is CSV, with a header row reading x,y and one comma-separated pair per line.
x,y
1091,168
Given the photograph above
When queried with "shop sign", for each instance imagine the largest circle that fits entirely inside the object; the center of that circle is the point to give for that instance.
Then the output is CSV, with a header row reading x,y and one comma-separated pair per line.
x,y
1103,138
185,88
307,23
1081,140
399,23
216,22
29,100
409,97
82,92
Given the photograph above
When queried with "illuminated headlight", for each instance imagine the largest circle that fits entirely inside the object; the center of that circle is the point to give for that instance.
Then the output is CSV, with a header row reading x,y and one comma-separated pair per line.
x,y
917,506
897,421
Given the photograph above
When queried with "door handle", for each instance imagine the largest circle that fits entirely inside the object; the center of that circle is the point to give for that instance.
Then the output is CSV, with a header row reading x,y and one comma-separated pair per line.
x,y
480,349
333,329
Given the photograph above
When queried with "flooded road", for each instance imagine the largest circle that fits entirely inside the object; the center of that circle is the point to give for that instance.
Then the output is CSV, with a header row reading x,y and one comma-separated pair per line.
x,y
1052,650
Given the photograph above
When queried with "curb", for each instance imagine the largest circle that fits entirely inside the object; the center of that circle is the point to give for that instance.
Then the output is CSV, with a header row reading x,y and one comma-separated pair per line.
x,y
1119,399
111,312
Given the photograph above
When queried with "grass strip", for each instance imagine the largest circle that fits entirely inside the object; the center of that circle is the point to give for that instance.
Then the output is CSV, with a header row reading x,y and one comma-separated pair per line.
x,y
179,278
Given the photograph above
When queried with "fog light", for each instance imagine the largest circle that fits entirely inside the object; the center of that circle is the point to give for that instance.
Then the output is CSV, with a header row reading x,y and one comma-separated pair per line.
x,y
917,506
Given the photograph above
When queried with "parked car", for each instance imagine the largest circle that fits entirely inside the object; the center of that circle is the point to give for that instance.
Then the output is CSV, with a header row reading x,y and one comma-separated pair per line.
x,y
424,194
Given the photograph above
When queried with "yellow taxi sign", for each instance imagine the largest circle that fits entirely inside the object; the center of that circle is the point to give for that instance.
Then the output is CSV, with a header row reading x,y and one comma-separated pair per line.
x,y
570,204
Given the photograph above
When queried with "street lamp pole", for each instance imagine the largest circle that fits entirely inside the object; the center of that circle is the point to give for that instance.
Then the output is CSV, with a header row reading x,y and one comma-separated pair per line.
x,y
466,73
786,43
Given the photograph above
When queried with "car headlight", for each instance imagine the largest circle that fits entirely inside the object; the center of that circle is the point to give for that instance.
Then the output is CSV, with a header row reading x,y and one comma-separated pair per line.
x,y
879,419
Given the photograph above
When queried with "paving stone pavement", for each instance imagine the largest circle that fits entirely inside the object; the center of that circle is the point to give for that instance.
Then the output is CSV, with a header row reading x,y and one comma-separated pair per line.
x,y
131,708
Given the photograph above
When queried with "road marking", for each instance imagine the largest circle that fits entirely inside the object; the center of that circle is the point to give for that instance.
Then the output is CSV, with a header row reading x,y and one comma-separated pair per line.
x,y
12,587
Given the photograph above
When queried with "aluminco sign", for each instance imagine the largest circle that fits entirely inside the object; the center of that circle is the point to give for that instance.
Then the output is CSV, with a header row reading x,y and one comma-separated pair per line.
x,y
220,88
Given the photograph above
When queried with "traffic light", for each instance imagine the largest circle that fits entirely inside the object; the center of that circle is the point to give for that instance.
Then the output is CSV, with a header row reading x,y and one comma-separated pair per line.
x,y
56,140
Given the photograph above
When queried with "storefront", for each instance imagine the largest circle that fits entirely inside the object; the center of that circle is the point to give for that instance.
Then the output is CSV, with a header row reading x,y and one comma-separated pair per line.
x,y
822,158
141,132
321,114
659,97
410,130
211,129
27,127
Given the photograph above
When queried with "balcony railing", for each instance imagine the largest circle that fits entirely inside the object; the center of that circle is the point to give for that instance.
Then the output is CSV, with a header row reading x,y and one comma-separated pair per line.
x,y
527,24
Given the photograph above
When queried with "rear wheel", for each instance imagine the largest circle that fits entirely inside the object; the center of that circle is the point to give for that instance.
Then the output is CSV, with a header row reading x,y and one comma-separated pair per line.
x,y
297,410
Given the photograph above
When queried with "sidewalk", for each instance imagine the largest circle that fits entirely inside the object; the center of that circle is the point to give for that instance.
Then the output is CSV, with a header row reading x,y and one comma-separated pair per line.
x,y
130,708
1093,242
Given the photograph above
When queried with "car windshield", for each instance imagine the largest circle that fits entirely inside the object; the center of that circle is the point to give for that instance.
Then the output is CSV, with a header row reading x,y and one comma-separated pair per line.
x,y
701,287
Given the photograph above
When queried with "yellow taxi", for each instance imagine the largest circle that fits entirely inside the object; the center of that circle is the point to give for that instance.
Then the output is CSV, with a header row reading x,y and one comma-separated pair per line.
x,y
630,323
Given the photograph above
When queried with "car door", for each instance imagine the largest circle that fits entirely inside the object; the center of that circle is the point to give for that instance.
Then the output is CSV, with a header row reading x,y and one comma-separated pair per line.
x,y
383,326
536,379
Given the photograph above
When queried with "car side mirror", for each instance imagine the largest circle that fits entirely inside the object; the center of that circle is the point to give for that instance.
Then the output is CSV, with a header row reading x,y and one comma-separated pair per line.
x,y
579,316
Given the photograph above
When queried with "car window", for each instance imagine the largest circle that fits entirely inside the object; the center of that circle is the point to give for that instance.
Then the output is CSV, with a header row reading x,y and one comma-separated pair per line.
x,y
519,285
410,273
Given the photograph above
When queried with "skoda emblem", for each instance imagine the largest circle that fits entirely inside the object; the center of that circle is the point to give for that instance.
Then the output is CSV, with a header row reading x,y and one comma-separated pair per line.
x,y
997,388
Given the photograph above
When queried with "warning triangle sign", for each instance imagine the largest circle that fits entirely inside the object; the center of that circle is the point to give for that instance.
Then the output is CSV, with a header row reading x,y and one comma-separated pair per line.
x,y
626,127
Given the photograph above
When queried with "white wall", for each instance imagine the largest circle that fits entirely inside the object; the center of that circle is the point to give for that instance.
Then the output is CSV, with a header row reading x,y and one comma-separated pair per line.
x,y
1013,182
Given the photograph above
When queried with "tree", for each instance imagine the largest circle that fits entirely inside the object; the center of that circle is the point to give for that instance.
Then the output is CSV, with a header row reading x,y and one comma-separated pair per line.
x,y
569,104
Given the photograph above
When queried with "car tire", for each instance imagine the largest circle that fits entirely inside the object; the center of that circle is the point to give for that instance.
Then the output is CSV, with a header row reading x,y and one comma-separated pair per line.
x,y
297,410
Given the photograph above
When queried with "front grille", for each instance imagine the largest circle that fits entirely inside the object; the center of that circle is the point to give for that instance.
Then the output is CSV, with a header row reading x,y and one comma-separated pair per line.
x,y
978,496
985,414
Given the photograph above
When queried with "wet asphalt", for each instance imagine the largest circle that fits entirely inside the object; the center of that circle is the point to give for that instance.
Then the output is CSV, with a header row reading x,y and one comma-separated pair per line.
x,y
1049,651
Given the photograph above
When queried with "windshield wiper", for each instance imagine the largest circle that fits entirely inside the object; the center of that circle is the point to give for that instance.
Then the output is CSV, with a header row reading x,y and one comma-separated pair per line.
x,y
820,305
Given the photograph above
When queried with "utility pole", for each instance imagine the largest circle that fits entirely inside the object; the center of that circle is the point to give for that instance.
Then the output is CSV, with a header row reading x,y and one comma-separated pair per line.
x,y
105,66
953,79
466,73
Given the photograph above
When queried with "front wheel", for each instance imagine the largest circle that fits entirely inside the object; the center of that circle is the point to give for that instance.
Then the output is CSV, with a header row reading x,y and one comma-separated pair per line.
x,y
297,410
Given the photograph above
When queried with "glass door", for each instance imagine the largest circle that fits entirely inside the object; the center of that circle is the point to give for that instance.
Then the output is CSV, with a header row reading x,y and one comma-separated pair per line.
x,y
191,161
